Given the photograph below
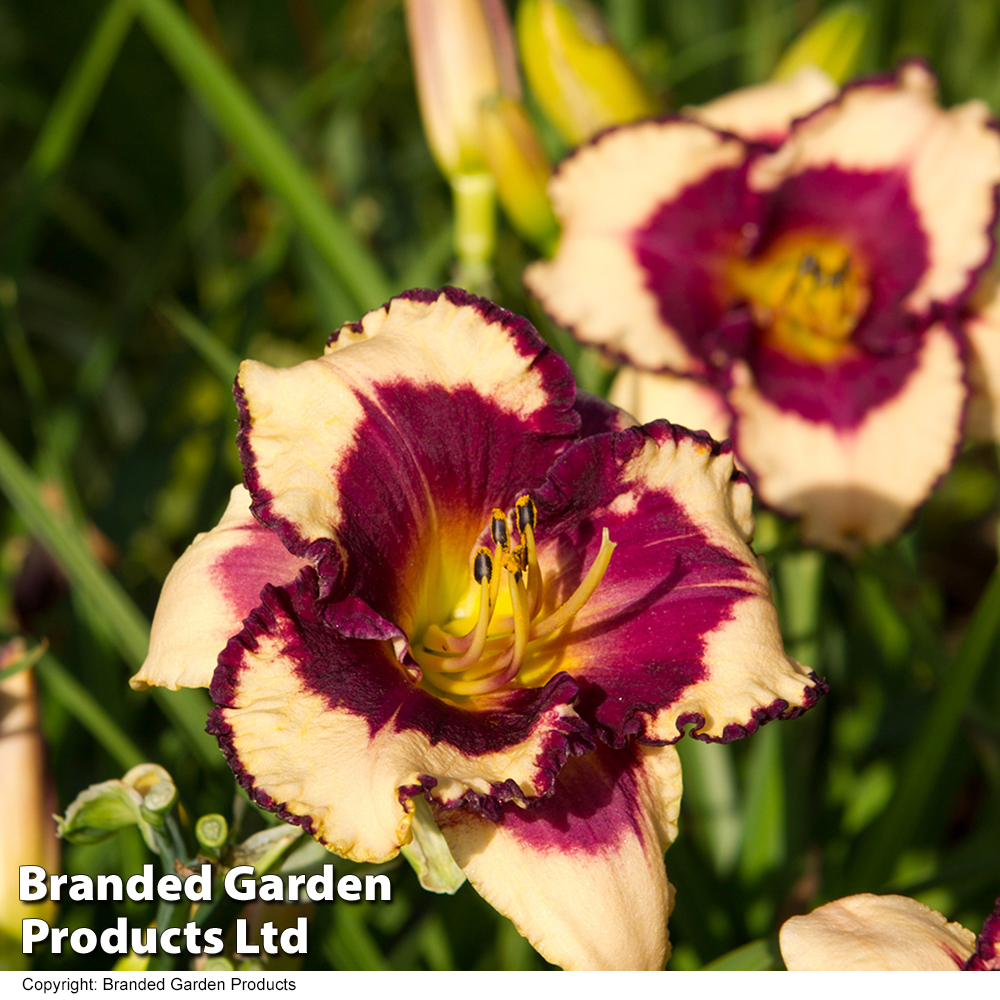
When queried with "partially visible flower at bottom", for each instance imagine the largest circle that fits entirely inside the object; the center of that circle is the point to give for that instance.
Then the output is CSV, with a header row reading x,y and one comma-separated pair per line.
x,y
868,933
451,575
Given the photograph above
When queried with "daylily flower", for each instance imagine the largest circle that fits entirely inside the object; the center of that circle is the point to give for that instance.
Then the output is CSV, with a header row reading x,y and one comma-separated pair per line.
x,y
478,585
869,933
811,274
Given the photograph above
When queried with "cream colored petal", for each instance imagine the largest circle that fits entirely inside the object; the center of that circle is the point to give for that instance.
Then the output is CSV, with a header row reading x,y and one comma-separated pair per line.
x,y
860,485
983,331
303,424
765,112
869,933
314,731
583,882
214,585
601,195
951,160
660,395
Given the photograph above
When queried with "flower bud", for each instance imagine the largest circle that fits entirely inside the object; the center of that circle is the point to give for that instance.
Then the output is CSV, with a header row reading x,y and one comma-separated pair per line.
x,y
157,788
832,42
100,811
27,832
520,170
463,54
580,77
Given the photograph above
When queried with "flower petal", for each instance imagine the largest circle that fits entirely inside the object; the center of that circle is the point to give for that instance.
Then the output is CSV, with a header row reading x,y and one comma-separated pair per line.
x,y
331,734
949,159
395,446
581,875
765,112
987,954
214,585
605,195
869,933
983,332
682,628
659,395
855,483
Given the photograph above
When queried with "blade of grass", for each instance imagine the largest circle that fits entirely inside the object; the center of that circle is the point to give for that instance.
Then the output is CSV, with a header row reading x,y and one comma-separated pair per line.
x,y
115,612
764,839
216,354
61,130
927,754
78,95
265,149
61,685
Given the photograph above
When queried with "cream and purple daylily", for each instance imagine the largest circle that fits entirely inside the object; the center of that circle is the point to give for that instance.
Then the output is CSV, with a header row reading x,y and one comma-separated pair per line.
x,y
453,575
808,279
869,933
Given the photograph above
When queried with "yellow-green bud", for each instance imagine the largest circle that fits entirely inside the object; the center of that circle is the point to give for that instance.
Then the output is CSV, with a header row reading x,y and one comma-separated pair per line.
x,y
581,79
832,42
520,169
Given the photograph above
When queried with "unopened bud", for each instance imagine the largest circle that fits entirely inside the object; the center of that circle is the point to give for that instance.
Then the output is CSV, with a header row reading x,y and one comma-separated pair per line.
x,y
581,78
463,54
832,42
520,170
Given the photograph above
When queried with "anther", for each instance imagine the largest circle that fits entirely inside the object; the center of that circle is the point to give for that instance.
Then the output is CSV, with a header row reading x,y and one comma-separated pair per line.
x,y
483,566
498,528
527,515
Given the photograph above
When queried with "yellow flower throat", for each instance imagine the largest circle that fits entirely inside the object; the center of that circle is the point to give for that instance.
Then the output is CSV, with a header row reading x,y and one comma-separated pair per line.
x,y
507,619
806,293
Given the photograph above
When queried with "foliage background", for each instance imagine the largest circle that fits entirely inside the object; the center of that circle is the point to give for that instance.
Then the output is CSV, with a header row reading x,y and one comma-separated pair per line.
x,y
167,208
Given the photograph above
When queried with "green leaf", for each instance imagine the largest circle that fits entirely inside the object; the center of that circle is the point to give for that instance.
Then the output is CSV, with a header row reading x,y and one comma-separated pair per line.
x,y
267,152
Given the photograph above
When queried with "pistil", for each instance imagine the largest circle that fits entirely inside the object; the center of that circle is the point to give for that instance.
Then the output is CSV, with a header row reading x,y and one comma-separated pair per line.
x,y
492,654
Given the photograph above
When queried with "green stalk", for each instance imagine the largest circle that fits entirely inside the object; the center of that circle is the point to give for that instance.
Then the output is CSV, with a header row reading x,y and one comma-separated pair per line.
x,y
79,93
214,352
925,759
66,119
61,685
245,125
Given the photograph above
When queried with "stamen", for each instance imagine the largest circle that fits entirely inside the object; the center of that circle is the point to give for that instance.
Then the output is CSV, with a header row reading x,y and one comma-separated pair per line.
x,y
490,656
483,570
498,528
527,518
581,595
501,673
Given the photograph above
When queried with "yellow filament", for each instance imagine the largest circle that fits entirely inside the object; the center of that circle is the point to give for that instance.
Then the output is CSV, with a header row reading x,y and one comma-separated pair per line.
x,y
508,665
581,595
534,573
492,654
477,636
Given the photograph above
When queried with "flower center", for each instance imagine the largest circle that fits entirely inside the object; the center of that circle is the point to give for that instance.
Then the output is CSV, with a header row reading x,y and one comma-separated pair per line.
x,y
508,617
806,293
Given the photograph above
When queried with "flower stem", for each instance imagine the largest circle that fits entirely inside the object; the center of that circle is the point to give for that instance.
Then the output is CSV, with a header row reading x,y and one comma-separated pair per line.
x,y
474,197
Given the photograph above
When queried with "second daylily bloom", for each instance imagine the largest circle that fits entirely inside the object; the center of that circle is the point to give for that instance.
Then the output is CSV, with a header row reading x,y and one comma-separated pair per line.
x,y
809,274
867,933
451,575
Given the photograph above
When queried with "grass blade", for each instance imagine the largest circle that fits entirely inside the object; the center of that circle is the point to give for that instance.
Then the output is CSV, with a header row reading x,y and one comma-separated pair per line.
x,y
266,150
